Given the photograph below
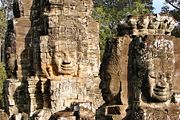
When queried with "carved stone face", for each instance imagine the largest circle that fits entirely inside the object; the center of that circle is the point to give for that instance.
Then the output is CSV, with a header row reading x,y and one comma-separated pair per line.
x,y
110,87
110,78
160,69
159,81
64,62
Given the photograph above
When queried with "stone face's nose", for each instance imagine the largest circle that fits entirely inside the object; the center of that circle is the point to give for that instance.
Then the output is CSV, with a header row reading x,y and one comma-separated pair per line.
x,y
162,80
162,84
66,66
67,60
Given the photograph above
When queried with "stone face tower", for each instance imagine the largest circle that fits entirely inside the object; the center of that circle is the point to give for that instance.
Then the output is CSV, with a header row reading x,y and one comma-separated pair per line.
x,y
139,71
53,59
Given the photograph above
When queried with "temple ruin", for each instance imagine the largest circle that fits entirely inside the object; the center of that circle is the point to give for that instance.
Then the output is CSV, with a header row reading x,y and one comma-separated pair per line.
x,y
139,72
55,73
52,60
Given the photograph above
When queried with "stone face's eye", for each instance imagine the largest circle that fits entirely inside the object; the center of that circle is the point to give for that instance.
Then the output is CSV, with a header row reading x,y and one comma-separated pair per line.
x,y
72,55
168,76
152,74
59,54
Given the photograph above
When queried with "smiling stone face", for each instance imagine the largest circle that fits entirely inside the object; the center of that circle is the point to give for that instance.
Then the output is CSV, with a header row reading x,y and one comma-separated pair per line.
x,y
110,87
159,80
64,59
110,71
64,62
159,67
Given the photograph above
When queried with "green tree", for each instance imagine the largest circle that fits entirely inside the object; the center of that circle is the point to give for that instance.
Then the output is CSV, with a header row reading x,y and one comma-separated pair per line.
x,y
2,78
165,8
2,33
175,13
2,37
110,12
2,24
174,3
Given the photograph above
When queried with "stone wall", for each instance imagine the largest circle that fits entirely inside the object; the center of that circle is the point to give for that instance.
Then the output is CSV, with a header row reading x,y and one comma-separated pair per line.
x,y
177,70
139,71
57,58
53,61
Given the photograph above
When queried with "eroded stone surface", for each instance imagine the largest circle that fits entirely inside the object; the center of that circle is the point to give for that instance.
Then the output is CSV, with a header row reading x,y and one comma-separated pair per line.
x,y
154,58
152,70
112,72
53,64
3,115
57,58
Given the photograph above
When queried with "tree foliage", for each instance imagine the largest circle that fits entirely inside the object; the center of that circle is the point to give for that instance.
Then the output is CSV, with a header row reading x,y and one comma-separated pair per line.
x,y
165,8
2,78
174,3
175,13
2,24
110,12
2,37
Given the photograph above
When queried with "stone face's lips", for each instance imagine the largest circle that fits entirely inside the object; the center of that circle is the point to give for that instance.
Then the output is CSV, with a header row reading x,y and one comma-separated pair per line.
x,y
162,98
66,69
161,90
106,95
66,66
161,93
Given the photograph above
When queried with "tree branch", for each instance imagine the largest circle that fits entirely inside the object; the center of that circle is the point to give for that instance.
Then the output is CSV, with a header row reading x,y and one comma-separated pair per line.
x,y
172,5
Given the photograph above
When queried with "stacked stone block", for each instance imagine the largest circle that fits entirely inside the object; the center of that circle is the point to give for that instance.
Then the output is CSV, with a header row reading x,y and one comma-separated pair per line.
x,y
148,84
58,58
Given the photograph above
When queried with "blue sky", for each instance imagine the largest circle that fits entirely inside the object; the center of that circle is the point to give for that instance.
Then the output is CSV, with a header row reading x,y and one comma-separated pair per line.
x,y
157,4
